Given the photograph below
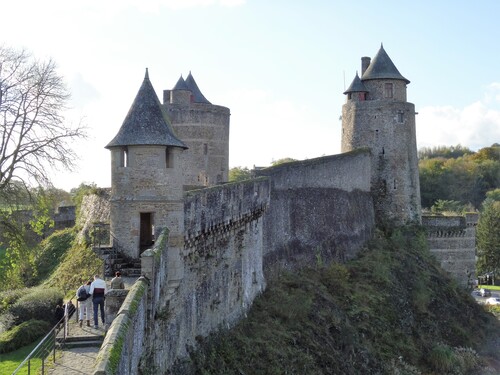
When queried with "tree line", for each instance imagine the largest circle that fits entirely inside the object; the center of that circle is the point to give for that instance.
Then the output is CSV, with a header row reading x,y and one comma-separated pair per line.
x,y
454,180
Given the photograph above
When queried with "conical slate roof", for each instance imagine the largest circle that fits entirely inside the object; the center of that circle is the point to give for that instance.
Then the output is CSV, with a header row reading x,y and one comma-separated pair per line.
x,y
356,86
146,122
382,67
181,84
197,95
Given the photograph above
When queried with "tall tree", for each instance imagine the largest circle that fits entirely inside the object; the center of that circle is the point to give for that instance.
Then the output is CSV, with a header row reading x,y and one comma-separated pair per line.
x,y
34,134
488,235
34,138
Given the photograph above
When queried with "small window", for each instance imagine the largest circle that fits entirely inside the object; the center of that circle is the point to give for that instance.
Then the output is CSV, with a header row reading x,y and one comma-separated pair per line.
x,y
388,90
169,158
124,158
205,149
400,117
349,96
362,96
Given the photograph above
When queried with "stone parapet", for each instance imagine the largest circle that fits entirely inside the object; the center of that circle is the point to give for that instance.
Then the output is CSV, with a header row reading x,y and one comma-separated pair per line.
x,y
122,347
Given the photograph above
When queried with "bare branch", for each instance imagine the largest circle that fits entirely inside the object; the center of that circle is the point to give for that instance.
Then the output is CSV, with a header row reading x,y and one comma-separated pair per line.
x,y
34,134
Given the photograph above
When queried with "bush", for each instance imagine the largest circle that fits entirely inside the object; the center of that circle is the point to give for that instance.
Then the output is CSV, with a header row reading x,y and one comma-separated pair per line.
x,y
39,303
23,334
9,297
442,358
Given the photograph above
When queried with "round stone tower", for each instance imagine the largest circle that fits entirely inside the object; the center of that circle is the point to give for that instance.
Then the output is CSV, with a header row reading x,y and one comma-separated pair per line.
x,y
204,128
146,178
376,115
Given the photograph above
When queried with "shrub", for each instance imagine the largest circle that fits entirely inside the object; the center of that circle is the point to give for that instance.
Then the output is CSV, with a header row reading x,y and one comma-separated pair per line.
x,y
23,334
39,303
442,358
9,297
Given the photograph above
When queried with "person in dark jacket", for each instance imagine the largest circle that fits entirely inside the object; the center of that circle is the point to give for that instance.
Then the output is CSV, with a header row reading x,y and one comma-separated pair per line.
x,y
98,289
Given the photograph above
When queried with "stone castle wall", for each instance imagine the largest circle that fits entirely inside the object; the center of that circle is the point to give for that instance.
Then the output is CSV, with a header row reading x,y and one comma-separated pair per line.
x,y
452,240
237,234
222,260
319,211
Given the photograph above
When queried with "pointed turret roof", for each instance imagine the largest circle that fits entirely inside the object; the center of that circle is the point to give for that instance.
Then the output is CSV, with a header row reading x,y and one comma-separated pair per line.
x,y
197,95
181,84
356,86
382,67
146,122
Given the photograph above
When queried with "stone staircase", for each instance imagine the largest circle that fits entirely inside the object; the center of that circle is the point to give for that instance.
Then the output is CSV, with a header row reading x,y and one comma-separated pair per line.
x,y
81,337
114,261
83,341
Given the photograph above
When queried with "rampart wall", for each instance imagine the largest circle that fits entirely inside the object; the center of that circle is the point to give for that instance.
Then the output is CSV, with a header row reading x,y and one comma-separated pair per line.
x,y
320,210
222,260
452,240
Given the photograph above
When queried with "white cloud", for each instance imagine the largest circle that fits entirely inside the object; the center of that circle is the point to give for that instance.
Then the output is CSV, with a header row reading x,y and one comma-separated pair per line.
x,y
476,125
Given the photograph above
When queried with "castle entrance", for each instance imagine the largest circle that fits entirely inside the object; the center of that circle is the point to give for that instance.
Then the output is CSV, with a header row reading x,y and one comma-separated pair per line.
x,y
146,239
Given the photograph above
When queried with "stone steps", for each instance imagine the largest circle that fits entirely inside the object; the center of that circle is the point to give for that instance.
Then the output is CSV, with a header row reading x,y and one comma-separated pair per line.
x,y
86,341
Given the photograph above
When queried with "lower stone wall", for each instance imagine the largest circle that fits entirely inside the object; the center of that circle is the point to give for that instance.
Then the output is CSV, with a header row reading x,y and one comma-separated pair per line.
x,y
452,240
123,345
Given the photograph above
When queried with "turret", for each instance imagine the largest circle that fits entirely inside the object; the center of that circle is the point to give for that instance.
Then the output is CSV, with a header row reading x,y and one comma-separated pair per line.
x,y
146,179
376,115
204,127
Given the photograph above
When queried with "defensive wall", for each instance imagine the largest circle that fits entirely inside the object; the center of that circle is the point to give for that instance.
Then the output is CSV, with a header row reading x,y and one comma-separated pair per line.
x,y
236,236
321,210
452,240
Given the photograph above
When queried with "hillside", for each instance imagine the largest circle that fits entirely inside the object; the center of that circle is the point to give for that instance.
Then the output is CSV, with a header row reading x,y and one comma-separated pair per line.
x,y
391,311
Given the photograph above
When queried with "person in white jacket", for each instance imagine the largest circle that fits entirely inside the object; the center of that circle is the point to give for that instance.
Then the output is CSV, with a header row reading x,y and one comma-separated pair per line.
x,y
98,290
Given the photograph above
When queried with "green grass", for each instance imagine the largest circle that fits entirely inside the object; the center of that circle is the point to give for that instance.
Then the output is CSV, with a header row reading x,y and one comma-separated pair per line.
x,y
490,287
10,361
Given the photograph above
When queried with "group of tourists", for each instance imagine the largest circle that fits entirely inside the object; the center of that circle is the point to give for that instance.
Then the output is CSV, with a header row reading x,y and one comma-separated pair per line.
x,y
97,290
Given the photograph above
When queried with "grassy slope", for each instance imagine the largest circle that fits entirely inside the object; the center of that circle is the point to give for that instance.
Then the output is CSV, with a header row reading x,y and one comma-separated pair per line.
x,y
65,264
392,305
10,361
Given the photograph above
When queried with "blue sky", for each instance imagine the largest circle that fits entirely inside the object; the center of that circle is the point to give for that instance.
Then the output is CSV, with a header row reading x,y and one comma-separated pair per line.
x,y
280,66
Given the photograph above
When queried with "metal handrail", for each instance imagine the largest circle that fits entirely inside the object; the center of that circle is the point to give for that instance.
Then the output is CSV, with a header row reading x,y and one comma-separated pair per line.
x,y
47,345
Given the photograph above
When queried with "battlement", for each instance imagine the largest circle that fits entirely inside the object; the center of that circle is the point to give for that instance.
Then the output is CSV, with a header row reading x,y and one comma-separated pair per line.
x,y
452,239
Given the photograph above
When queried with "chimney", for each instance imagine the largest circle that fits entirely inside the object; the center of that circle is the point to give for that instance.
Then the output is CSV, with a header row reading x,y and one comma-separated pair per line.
x,y
365,62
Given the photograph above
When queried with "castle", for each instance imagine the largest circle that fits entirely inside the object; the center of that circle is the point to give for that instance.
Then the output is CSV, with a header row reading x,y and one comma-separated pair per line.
x,y
207,247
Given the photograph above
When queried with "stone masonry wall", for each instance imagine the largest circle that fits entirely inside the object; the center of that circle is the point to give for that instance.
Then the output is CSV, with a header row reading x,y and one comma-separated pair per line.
x,y
320,210
204,128
223,272
452,240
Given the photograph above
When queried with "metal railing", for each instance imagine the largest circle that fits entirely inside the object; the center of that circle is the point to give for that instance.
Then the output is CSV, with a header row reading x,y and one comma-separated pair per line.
x,y
47,347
